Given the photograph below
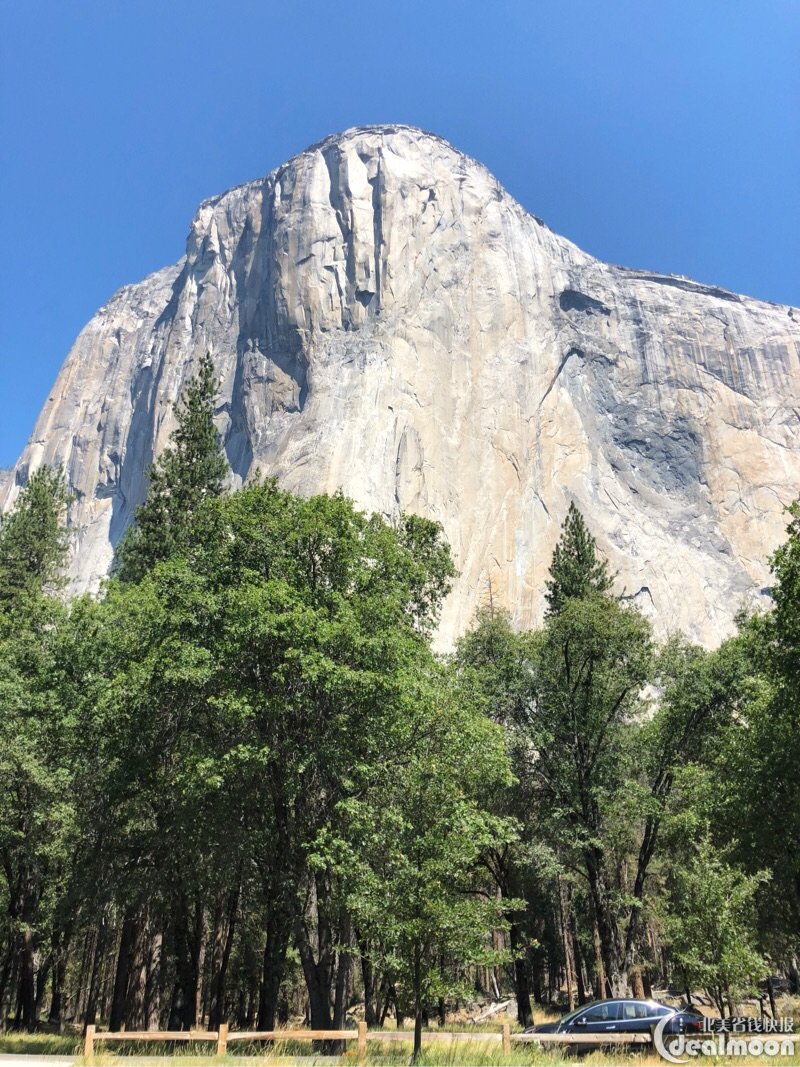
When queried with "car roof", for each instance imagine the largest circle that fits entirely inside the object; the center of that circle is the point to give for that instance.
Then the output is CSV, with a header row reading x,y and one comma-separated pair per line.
x,y
629,1000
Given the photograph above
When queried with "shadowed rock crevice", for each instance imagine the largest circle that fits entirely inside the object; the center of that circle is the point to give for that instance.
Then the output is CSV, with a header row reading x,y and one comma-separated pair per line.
x,y
571,300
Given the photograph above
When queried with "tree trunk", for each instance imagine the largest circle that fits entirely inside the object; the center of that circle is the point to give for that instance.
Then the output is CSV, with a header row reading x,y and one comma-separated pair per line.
x,y
793,975
198,961
537,973
771,994
90,1016
42,974
59,976
224,929
564,908
342,973
188,950
646,851
134,1010
371,1008
318,989
127,946
26,1011
5,972
599,969
153,983
277,944
607,928
418,1005
82,989
326,970
522,989
578,957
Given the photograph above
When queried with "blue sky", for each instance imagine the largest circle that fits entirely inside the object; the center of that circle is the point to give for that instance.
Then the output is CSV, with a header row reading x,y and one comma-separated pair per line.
x,y
663,135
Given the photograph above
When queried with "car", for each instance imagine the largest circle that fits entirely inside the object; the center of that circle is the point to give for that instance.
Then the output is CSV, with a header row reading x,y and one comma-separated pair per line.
x,y
623,1016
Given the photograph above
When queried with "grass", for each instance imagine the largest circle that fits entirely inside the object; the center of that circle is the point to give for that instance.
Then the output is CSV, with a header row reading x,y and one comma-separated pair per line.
x,y
472,1053
41,1044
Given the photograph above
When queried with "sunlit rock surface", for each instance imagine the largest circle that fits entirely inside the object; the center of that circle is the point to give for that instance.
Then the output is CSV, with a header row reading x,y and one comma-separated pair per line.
x,y
386,319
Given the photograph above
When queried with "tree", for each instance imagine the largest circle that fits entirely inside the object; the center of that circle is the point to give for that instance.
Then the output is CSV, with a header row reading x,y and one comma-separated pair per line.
x,y
569,697
326,616
33,539
753,803
590,665
36,810
190,471
782,628
417,839
711,925
253,679
575,570
494,669
700,694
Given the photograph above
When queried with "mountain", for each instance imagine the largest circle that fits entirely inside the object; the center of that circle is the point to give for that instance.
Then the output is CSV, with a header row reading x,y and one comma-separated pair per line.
x,y
386,319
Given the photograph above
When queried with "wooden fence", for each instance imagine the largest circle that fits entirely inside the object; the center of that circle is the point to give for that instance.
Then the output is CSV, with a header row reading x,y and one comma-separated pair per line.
x,y
222,1038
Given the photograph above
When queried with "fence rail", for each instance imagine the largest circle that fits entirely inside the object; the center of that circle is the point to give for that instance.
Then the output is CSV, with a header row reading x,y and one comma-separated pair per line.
x,y
222,1037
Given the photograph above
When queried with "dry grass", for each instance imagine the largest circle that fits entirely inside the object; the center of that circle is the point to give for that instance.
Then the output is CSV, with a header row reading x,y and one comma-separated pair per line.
x,y
41,1044
472,1053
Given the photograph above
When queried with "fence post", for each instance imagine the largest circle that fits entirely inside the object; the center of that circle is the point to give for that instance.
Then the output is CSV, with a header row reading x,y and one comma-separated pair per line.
x,y
362,1042
506,1039
88,1043
222,1039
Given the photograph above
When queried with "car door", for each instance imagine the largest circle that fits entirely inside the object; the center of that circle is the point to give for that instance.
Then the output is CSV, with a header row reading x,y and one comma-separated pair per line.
x,y
601,1018
635,1017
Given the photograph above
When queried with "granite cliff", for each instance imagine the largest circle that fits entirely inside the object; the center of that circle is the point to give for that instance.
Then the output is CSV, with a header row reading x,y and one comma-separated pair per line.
x,y
386,319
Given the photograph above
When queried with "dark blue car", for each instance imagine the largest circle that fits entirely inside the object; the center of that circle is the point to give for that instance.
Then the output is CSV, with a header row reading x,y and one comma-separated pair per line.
x,y
623,1016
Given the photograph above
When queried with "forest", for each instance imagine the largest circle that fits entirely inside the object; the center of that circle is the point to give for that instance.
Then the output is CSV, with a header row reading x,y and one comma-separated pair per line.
x,y
238,784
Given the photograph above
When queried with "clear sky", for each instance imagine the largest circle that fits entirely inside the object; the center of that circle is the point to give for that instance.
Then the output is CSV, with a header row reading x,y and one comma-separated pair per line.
x,y
662,134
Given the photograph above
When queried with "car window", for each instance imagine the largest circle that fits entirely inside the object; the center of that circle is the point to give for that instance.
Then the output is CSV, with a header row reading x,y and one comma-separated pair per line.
x,y
634,1010
659,1010
601,1013
573,1015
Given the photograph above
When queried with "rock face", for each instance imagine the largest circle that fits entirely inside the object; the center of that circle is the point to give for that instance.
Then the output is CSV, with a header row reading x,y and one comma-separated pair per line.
x,y
386,319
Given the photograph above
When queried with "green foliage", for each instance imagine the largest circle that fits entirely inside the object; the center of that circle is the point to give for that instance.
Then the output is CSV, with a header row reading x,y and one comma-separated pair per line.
x,y
190,471
248,686
417,838
575,571
592,661
711,925
33,539
783,626
750,794
36,805
494,663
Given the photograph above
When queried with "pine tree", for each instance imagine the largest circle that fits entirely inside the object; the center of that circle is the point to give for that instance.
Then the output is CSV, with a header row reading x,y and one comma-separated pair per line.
x,y
33,539
190,471
576,571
